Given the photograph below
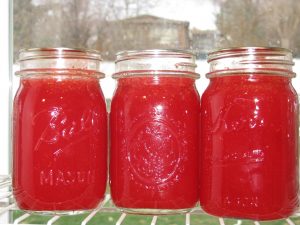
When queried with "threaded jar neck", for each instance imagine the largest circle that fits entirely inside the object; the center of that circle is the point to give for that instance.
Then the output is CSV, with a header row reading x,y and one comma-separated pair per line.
x,y
47,61
251,60
155,62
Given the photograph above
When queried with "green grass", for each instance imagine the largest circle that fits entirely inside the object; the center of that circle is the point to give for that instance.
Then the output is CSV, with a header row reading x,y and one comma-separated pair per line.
x,y
112,218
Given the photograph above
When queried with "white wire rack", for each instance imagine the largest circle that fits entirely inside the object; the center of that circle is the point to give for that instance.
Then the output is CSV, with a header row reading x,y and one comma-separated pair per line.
x,y
7,206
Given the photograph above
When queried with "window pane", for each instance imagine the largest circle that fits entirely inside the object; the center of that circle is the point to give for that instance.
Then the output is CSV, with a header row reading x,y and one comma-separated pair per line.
x,y
115,25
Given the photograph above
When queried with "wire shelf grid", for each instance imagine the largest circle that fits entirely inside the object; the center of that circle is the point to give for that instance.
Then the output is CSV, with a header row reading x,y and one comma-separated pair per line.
x,y
7,206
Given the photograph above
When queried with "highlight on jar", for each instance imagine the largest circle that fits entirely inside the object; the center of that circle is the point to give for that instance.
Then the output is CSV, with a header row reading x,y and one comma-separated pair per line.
x,y
154,130
249,135
59,132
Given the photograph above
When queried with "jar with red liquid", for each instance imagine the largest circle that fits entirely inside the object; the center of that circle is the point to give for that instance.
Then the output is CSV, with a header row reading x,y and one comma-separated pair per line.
x,y
249,135
154,122
59,132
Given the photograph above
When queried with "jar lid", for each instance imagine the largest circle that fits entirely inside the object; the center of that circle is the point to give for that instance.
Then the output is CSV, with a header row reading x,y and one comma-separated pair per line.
x,y
243,60
155,62
45,60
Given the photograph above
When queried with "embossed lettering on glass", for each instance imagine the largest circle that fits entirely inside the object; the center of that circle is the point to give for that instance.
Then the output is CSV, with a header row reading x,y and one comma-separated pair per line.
x,y
59,132
154,132
249,159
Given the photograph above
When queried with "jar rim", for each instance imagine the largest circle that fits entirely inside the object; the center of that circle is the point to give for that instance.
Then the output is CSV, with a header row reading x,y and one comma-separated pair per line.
x,y
245,60
242,51
150,53
155,73
35,61
164,62
58,52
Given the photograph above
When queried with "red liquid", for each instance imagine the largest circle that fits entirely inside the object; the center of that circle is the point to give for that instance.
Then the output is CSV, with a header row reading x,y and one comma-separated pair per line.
x,y
60,144
154,143
249,140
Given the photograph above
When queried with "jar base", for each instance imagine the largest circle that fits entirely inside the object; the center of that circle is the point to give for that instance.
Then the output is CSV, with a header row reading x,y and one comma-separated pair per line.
x,y
57,212
145,211
240,216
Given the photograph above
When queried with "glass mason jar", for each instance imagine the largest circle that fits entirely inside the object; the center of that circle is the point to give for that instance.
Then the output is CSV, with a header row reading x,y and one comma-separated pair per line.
x,y
154,132
59,132
249,158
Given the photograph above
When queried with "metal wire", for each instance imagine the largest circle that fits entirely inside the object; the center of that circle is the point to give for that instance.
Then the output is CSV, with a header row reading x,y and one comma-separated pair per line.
x,y
5,184
120,220
21,218
52,220
290,222
187,219
221,221
6,206
239,222
153,222
92,214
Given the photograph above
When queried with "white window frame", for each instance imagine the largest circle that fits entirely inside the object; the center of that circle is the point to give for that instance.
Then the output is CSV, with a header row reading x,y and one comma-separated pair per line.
x,y
5,85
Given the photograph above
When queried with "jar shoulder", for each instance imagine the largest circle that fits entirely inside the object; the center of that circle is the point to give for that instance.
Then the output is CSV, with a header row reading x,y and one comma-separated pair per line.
x,y
251,87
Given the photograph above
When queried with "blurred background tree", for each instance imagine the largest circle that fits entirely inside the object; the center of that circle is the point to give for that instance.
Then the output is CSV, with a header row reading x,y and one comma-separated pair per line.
x,y
259,23
239,23
25,19
92,24
70,23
